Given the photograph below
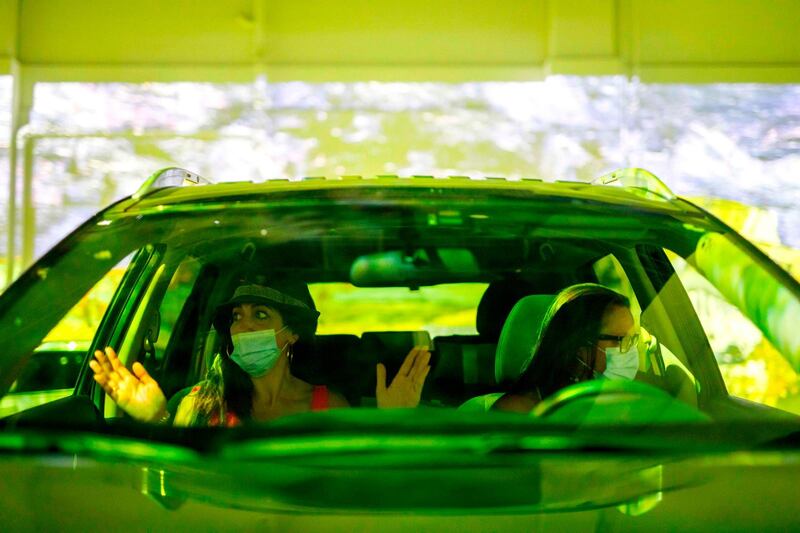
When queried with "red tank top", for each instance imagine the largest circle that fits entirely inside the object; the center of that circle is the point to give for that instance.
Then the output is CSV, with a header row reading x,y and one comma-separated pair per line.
x,y
319,402
319,398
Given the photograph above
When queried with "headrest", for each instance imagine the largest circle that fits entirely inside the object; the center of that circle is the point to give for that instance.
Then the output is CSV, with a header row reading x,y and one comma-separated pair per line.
x,y
391,347
496,303
519,335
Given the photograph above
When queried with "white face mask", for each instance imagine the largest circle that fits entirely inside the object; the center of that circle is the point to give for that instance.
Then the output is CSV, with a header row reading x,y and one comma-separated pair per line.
x,y
621,365
256,352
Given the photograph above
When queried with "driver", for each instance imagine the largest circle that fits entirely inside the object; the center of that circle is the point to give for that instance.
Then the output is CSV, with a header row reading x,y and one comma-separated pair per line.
x,y
261,326
587,332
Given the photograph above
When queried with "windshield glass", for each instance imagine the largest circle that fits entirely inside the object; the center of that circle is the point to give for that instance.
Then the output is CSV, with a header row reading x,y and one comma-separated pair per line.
x,y
511,302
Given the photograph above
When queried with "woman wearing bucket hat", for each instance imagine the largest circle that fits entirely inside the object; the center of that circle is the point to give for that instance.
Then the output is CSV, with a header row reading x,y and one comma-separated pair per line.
x,y
262,326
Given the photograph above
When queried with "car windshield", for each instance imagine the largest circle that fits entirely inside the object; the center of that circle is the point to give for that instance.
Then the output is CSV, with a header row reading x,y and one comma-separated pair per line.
x,y
391,268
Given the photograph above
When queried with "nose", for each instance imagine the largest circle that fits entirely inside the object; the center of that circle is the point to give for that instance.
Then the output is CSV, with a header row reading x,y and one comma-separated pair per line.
x,y
243,325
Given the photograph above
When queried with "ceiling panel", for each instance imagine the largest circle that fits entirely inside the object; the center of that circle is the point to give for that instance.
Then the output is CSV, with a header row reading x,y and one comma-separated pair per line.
x,y
412,40
136,32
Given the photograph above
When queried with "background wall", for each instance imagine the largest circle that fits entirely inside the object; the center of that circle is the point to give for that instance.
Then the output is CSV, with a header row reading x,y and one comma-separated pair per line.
x,y
413,40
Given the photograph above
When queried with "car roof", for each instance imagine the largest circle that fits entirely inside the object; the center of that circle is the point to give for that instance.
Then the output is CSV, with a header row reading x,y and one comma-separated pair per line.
x,y
570,219
154,196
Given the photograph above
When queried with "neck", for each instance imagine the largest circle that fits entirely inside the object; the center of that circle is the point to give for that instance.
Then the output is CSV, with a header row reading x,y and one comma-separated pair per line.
x,y
268,388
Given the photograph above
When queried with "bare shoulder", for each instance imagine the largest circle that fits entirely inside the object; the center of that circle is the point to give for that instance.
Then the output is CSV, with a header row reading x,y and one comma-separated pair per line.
x,y
336,400
515,403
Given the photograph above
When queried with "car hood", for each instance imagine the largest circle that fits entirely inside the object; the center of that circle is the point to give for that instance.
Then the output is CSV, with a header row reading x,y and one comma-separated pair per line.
x,y
574,491
398,472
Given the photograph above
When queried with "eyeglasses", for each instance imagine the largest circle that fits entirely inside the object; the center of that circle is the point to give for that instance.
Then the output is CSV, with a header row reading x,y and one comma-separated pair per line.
x,y
625,343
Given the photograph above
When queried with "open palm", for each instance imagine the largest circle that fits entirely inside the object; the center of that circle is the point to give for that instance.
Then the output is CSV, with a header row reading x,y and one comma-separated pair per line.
x,y
137,393
406,387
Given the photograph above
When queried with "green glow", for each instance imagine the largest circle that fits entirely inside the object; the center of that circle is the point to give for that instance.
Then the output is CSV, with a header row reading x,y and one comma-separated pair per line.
x,y
97,446
20,401
416,444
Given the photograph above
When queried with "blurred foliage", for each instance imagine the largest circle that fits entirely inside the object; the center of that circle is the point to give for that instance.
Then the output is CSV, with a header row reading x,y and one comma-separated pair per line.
x,y
81,322
751,367
762,376
758,225
734,141
440,309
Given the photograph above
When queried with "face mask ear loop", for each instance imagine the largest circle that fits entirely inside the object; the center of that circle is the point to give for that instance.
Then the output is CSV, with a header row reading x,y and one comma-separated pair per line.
x,y
594,373
593,361
593,358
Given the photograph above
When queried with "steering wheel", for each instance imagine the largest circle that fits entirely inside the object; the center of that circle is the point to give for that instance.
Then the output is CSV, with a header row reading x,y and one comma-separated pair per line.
x,y
603,401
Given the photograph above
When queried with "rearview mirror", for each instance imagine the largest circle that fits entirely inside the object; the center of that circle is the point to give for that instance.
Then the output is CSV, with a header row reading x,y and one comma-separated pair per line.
x,y
422,267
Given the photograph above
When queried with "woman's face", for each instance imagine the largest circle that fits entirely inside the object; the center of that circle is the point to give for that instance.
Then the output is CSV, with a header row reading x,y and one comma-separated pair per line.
x,y
617,321
256,317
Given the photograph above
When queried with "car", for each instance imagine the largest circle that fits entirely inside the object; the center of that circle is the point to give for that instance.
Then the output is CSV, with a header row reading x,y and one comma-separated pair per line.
x,y
706,436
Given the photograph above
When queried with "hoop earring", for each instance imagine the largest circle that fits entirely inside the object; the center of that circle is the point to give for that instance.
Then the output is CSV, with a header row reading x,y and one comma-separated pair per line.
x,y
290,351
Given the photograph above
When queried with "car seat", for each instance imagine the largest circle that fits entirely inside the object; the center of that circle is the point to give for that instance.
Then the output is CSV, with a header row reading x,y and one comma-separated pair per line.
x,y
518,337
331,363
462,366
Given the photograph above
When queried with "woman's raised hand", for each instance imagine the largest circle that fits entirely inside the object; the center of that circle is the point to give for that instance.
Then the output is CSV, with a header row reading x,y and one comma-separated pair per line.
x,y
406,387
135,392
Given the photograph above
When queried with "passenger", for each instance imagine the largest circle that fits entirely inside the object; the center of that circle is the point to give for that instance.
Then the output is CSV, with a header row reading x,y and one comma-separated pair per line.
x,y
587,332
261,328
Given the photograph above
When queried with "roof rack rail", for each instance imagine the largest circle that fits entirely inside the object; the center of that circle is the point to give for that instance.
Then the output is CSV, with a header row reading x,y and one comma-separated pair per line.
x,y
636,178
170,177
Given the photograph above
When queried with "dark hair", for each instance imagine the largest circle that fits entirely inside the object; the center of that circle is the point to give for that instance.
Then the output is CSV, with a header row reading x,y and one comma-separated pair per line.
x,y
572,321
302,321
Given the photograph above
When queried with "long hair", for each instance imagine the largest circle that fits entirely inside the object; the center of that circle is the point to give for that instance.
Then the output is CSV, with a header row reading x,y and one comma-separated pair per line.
x,y
572,322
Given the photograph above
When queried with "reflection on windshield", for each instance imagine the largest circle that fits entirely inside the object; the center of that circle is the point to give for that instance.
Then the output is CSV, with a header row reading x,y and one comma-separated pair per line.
x,y
757,294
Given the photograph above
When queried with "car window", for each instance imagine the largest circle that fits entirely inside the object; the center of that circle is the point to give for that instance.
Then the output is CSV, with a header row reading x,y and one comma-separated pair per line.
x,y
750,365
610,273
180,286
54,366
446,309
150,335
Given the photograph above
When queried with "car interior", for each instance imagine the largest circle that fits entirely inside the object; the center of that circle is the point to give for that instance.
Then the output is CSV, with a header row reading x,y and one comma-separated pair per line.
x,y
163,308
464,368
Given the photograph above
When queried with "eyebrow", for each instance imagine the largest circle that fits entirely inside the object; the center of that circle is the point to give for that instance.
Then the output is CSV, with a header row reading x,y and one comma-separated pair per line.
x,y
255,307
